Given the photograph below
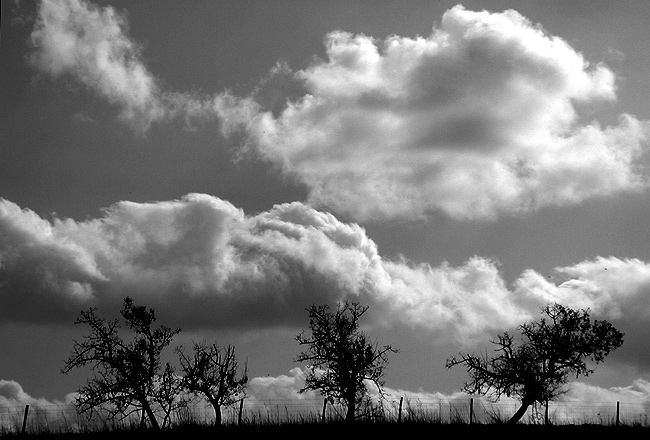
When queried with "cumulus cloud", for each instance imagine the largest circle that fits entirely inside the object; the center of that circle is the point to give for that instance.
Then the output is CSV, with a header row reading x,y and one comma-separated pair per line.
x,y
278,398
477,119
78,38
612,288
202,262
637,393
12,405
280,388
12,394
582,403
91,45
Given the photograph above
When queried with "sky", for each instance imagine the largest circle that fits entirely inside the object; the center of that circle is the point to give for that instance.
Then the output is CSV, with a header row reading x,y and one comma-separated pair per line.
x,y
454,167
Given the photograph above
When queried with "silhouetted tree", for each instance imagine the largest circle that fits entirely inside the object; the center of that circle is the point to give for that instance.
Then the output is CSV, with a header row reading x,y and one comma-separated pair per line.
x,y
127,374
340,357
169,393
537,369
212,372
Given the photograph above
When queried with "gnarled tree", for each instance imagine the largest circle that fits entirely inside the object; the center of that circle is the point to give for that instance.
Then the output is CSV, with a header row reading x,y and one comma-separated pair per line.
x,y
340,357
127,374
538,368
213,372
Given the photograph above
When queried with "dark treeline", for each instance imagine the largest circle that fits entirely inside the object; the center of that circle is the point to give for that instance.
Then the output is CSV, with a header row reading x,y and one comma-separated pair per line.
x,y
130,380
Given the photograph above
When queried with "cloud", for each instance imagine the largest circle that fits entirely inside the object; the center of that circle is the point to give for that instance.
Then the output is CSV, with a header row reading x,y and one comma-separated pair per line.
x,y
278,397
12,394
201,262
583,402
90,44
612,288
42,411
637,393
476,120
73,37
279,388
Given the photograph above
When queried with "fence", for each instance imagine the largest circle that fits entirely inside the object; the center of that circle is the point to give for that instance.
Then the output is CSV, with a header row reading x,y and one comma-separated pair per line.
x,y
65,418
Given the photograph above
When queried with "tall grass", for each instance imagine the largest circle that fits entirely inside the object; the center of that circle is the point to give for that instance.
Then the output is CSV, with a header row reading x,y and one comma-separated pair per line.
x,y
53,420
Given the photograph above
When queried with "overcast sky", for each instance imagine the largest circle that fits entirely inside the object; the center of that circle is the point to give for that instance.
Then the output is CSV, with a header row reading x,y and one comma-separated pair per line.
x,y
454,167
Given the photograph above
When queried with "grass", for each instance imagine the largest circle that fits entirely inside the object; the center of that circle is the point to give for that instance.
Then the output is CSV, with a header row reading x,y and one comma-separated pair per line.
x,y
362,429
279,420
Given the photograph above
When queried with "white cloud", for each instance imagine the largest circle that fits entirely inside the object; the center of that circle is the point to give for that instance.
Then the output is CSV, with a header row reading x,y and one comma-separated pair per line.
x,y
13,400
599,405
611,287
76,38
477,119
202,262
583,402
278,398
637,393
279,388
91,44
12,394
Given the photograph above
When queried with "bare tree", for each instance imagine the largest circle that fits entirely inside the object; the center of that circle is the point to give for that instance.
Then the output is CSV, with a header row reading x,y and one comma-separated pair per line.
x,y
126,374
340,357
169,393
212,372
538,369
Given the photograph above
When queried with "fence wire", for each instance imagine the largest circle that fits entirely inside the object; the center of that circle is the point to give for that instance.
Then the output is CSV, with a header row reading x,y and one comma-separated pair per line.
x,y
66,418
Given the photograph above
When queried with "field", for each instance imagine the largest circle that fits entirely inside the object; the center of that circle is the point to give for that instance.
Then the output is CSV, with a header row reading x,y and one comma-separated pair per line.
x,y
359,429
307,420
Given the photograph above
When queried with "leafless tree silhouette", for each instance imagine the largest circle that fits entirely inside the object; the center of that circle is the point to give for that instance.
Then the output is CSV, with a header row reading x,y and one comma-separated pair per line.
x,y
126,375
340,357
212,372
538,368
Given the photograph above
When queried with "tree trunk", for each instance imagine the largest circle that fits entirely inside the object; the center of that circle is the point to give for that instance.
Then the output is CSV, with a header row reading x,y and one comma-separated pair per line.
x,y
351,396
520,412
349,416
152,417
217,412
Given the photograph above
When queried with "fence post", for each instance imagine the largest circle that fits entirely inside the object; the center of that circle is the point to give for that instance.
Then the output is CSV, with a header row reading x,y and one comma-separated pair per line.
x,y
241,409
546,413
618,408
471,409
322,417
399,416
25,419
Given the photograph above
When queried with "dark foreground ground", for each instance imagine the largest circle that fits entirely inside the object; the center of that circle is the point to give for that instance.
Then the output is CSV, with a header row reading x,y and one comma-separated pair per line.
x,y
335,431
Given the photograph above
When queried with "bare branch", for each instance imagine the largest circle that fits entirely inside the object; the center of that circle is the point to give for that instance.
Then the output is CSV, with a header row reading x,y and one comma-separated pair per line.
x,y
126,374
340,357
537,369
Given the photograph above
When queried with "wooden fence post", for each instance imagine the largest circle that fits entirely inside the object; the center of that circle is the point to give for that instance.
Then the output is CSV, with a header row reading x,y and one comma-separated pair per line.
x,y
471,409
25,419
399,416
322,417
241,409
546,413
618,409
